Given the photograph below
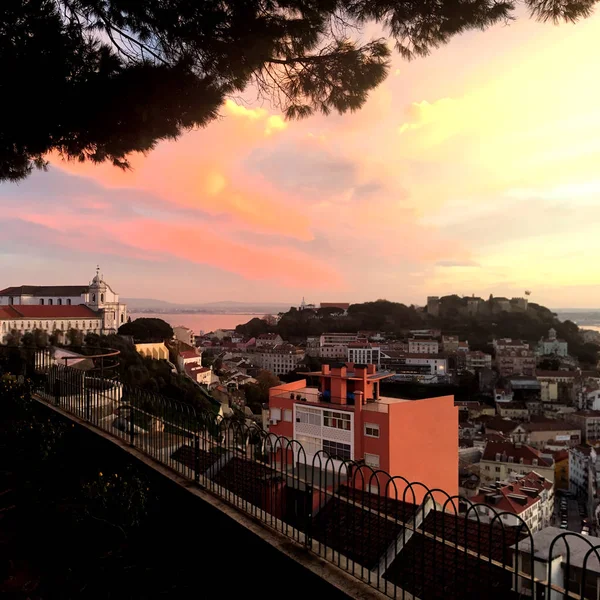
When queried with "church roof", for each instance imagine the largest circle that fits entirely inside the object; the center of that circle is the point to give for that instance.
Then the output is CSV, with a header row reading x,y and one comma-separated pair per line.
x,y
35,311
45,290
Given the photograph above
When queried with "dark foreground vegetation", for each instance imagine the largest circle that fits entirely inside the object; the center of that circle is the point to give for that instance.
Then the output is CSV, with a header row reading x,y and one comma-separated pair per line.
x,y
79,518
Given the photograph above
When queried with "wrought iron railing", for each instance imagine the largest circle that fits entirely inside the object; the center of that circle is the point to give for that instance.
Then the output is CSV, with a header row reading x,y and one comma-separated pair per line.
x,y
402,538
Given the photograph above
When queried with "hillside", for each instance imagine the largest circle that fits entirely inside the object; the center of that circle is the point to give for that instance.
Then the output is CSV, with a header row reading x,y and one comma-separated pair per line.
x,y
455,318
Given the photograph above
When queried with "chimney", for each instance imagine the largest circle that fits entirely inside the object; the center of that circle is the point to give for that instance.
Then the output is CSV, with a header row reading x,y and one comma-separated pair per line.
x,y
371,369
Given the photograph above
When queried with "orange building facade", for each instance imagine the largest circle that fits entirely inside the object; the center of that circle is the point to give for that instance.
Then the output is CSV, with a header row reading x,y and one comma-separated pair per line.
x,y
348,418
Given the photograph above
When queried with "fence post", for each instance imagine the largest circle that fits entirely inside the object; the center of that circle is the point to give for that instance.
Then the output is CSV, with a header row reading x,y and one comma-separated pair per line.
x,y
131,426
88,393
309,516
196,458
57,392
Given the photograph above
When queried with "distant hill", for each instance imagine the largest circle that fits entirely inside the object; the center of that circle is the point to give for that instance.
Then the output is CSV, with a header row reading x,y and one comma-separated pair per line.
x,y
224,306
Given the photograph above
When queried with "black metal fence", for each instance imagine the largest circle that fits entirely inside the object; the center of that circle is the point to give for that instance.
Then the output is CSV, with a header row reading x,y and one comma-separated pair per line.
x,y
400,537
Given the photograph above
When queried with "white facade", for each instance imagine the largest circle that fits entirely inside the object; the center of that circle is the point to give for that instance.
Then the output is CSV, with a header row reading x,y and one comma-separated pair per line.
x,y
365,355
552,345
23,325
98,296
280,362
478,360
322,429
422,346
184,334
437,364
582,463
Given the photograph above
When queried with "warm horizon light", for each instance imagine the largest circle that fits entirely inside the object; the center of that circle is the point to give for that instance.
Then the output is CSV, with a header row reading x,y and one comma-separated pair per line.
x,y
473,171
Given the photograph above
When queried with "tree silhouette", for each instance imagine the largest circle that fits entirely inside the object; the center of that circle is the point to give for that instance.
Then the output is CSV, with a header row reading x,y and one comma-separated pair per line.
x,y
118,76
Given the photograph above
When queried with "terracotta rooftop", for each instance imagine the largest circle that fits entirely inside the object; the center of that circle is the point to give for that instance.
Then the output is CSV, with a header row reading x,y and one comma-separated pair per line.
x,y
501,425
514,497
45,290
556,374
189,354
36,311
549,425
517,452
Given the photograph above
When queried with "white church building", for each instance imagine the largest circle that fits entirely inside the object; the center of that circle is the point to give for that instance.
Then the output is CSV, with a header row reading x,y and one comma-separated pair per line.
x,y
93,308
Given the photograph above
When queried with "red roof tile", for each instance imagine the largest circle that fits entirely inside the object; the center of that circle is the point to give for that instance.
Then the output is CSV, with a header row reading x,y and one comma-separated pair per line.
x,y
512,497
516,451
189,354
36,311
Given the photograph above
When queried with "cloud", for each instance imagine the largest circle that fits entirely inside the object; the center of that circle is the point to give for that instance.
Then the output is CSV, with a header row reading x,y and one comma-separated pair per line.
x,y
457,263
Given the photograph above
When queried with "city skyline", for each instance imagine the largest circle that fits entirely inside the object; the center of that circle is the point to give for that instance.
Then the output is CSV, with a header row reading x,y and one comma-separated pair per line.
x,y
470,171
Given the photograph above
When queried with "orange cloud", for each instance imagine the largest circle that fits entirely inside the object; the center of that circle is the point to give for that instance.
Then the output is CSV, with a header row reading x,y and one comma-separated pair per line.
x,y
156,240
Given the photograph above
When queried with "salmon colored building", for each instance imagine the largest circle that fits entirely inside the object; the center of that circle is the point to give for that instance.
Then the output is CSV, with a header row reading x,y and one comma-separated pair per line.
x,y
347,417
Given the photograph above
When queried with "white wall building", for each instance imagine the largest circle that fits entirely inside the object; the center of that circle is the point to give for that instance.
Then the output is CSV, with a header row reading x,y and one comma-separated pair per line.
x,y
423,346
364,354
30,303
280,359
184,334
552,345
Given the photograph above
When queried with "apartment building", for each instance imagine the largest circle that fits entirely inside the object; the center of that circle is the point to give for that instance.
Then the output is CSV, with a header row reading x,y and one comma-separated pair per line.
x,y
539,434
557,386
416,367
515,361
582,471
423,346
588,422
347,417
280,359
364,353
475,360
331,345
528,498
502,459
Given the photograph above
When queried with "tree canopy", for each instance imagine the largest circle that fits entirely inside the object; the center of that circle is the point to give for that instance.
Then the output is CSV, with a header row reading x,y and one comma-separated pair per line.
x,y
118,76
147,330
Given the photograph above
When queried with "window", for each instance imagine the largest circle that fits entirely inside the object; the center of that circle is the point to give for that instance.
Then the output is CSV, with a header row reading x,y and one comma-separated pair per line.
x,y
101,297
287,415
337,450
497,469
122,318
308,415
50,301
372,430
93,297
310,444
372,460
42,301
59,301
11,300
69,301
337,420
276,414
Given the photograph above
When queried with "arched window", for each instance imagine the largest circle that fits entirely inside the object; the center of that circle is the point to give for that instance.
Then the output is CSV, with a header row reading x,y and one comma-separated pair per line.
x,y
59,301
50,301
46,325
69,301
42,301
122,318
101,297
93,297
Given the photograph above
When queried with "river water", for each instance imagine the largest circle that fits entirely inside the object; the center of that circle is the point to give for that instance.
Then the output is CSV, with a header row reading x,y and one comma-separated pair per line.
x,y
198,322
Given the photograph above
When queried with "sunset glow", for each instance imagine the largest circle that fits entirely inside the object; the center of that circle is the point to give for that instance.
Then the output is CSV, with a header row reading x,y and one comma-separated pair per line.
x,y
474,170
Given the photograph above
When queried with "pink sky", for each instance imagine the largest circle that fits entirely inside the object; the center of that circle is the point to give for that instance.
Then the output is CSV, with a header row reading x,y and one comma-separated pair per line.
x,y
474,170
